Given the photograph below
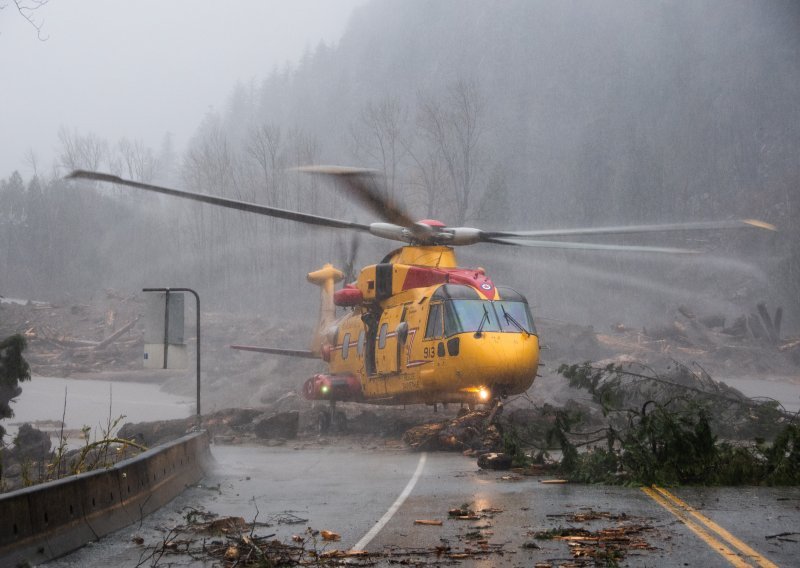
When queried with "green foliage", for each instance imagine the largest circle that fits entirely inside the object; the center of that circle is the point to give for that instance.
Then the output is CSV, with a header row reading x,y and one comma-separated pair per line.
x,y
667,443
782,458
512,446
602,383
668,447
557,436
13,370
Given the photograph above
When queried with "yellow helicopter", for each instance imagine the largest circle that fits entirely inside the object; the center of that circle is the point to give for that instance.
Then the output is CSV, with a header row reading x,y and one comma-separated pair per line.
x,y
419,329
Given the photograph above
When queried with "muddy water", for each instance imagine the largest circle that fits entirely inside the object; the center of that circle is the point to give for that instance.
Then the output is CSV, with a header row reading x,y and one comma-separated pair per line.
x,y
91,403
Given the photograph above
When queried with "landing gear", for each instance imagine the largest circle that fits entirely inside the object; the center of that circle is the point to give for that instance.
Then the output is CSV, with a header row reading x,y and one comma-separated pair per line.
x,y
331,420
496,410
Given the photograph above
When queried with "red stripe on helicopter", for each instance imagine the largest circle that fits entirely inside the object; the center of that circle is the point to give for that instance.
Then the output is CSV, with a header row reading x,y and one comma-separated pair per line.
x,y
418,277
421,277
475,278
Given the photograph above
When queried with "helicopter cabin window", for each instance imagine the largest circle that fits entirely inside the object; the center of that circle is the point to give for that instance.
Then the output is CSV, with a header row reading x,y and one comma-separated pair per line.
x,y
382,336
434,327
346,346
360,344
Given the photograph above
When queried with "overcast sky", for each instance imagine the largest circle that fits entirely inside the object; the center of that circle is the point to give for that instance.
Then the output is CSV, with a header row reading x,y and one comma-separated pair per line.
x,y
139,69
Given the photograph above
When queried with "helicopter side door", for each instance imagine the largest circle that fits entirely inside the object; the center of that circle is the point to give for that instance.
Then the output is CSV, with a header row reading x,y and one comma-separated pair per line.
x,y
388,345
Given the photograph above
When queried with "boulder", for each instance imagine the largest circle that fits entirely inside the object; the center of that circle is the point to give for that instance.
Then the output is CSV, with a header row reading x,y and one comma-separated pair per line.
x,y
282,425
31,443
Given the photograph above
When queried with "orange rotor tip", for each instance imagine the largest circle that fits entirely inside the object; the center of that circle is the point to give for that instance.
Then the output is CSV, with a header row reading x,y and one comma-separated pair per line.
x,y
760,224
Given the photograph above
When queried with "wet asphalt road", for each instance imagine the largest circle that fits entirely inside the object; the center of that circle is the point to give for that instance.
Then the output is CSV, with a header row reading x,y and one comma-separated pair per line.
x,y
349,488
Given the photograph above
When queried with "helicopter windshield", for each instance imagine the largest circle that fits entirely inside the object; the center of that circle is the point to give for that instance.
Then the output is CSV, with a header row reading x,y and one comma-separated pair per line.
x,y
514,315
469,315
465,312
461,316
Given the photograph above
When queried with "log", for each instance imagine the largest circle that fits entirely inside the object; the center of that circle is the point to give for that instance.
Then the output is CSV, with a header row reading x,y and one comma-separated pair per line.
x,y
756,327
114,336
769,327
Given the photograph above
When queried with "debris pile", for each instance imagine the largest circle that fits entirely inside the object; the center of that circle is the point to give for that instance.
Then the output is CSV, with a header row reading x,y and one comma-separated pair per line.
x,y
604,546
749,343
469,432
80,338
231,541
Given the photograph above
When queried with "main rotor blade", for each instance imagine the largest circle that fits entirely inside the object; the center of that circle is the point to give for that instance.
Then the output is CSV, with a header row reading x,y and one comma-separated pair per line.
x,y
303,353
587,246
628,229
223,202
362,185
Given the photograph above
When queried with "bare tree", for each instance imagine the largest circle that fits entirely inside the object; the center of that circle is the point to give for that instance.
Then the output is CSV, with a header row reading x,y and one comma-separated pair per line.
x,y
27,9
81,152
429,180
454,128
139,162
32,161
380,138
264,145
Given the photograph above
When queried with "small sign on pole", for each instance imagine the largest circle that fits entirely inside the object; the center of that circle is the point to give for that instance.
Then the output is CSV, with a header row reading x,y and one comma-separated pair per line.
x,y
164,345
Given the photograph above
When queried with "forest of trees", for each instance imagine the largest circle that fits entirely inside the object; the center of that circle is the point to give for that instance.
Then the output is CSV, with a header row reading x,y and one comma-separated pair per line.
x,y
493,114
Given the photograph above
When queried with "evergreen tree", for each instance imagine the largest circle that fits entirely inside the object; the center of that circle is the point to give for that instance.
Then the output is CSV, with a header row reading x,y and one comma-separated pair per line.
x,y
13,370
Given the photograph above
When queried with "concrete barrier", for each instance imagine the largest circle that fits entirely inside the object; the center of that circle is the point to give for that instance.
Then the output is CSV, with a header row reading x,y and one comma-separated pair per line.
x,y
45,521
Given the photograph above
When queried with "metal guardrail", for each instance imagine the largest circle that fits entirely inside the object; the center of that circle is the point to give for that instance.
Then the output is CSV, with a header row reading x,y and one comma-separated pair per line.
x,y
46,521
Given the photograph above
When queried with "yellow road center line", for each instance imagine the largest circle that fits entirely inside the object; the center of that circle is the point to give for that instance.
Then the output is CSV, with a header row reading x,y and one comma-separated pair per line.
x,y
754,555
706,537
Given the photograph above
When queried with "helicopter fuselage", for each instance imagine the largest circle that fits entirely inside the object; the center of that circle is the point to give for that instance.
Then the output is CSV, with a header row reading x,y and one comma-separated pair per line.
x,y
419,329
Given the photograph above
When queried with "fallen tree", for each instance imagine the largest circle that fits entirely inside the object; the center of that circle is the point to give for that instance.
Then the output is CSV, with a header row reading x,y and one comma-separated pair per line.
x,y
671,439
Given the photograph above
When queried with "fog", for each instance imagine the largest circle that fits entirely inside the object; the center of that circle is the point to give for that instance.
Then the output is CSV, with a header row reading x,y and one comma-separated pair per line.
x,y
144,69
500,115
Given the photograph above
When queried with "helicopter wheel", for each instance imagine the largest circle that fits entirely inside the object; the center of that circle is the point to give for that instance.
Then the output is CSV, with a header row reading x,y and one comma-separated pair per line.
x,y
332,420
496,410
339,422
324,418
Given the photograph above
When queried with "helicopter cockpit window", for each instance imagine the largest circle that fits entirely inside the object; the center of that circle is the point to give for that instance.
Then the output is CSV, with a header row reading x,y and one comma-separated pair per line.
x,y
461,316
434,327
382,336
346,346
513,311
513,316
465,312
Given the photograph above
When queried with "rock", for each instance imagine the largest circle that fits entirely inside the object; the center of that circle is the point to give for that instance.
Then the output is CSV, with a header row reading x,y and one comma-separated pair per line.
x,y
494,460
153,433
243,417
31,443
281,425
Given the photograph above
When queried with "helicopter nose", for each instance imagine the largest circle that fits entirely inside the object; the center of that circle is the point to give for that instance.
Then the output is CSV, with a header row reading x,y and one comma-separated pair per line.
x,y
505,362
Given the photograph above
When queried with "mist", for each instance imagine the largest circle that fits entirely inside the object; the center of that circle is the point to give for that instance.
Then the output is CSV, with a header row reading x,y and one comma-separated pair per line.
x,y
579,115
